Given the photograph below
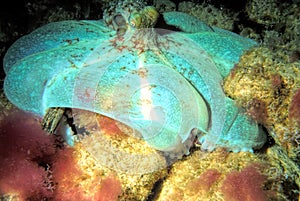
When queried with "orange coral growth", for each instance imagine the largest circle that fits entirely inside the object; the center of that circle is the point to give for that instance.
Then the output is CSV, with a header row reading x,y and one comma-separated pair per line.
x,y
205,181
245,185
65,173
74,184
110,190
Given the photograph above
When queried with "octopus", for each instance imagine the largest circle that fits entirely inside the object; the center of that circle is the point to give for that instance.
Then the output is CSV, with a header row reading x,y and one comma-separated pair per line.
x,y
163,84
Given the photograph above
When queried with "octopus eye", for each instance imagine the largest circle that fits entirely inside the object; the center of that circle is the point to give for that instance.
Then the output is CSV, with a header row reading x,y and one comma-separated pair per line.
x,y
119,20
135,20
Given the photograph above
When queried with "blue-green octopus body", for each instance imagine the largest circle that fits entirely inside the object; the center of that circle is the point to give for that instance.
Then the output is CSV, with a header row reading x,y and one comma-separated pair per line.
x,y
161,83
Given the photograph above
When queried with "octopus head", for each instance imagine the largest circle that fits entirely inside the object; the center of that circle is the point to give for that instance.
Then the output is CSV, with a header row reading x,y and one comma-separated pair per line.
x,y
125,15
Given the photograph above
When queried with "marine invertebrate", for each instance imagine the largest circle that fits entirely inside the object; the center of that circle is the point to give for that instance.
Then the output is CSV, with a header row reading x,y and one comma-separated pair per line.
x,y
162,84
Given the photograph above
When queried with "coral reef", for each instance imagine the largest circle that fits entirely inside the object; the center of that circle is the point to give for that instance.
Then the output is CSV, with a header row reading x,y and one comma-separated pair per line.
x,y
267,12
220,176
267,80
209,14
284,169
267,84
278,23
164,5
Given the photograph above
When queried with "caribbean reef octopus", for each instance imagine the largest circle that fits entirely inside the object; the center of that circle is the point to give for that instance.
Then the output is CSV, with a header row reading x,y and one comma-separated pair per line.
x,y
164,84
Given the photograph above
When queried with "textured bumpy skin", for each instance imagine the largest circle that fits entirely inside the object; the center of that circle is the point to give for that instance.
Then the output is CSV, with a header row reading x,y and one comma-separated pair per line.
x,y
162,85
